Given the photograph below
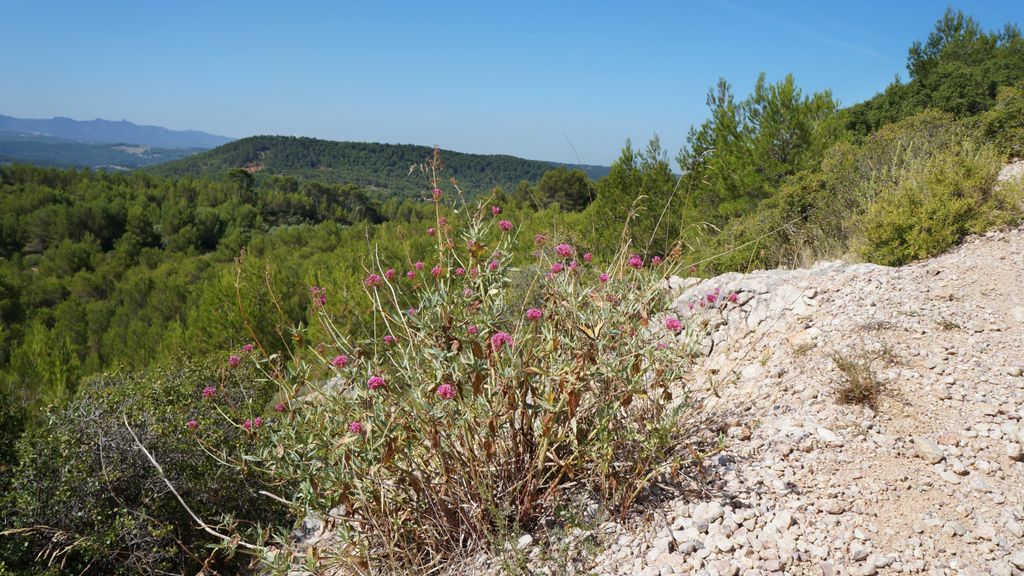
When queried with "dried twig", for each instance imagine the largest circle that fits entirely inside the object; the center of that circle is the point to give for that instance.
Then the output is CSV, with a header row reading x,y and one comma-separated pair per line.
x,y
234,540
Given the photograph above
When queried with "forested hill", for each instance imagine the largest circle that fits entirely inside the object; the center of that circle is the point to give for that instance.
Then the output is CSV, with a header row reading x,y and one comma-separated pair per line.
x,y
384,167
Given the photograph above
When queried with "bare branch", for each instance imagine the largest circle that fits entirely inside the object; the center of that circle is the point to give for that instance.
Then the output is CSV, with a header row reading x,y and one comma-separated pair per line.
x,y
202,525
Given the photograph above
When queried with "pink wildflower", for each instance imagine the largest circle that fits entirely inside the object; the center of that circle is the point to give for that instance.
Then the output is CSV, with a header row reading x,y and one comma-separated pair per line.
x,y
588,257
340,361
557,267
356,427
389,339
247,425
460,271
673,324
375,382
505,225
472,329
234,360
501,339
442,221
656,260
564,250
493,265
572,266
418,265
373,280
446,391
389,273
247,348
257,422
495,210
436,271
540,239
467,292
279,407
411,311
636,261
711,297
430,231
410,274
534,314
733,297
604,276
209,392
437,194
318,294
192,424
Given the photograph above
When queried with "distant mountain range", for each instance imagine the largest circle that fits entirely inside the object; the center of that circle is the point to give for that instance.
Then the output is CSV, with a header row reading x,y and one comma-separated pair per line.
x,y
110,132
106,145
385,167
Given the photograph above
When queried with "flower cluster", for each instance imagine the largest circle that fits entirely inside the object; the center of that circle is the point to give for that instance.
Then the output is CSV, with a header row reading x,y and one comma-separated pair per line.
x,y
501,339
446,391
714,299
499,362
319,295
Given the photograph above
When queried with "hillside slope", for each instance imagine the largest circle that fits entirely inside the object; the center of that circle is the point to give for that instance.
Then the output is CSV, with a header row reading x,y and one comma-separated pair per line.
x,y
930,479
382,166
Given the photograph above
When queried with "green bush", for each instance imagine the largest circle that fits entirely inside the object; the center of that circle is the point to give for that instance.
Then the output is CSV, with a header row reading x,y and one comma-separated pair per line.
x,y
937,202
488,403
910,190
85,500
1003,125
13,419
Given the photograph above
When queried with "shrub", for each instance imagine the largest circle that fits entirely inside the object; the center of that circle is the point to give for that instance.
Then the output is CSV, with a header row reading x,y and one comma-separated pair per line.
x,y
937,202
1003,125
475,409
860,384
910,190
85,500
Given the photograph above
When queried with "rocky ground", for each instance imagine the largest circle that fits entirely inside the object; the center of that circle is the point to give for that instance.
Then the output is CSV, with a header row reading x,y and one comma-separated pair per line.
x,y
929,480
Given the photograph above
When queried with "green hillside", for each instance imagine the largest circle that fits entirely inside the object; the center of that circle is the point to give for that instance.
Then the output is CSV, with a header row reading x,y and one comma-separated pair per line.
x,y
384,167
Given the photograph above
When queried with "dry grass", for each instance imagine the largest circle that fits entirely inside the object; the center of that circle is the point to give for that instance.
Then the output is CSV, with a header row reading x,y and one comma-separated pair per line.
x,y
860,383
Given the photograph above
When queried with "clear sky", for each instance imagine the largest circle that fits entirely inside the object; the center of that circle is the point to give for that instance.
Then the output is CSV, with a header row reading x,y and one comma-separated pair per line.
x,y
518,77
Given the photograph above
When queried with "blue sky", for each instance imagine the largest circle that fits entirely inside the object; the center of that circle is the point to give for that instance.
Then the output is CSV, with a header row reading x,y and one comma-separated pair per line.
x,y
533,79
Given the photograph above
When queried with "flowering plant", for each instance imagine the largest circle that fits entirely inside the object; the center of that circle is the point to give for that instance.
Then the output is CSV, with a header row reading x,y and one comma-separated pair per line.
x,y
474,407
